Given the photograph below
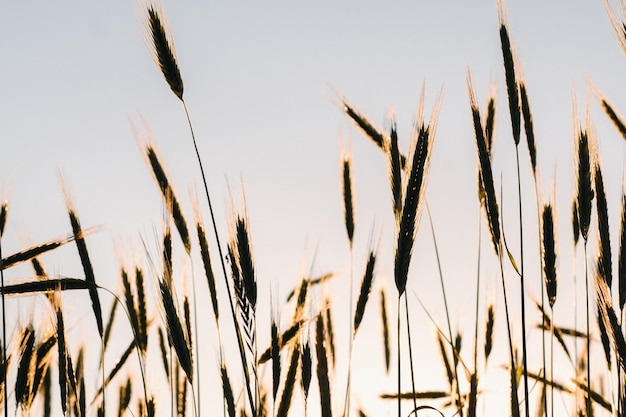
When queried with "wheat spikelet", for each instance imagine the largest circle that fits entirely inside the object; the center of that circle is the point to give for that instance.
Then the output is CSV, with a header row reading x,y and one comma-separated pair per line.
x,y
348,203
490,118
228,392
42,361
417,175
322,370
85,260
489,330
109,325
575,223
25,369
528,127
284,340
48,285
364,293
610,319
4,209
395,171
549,253
63,358
206,262
125,392
162,49
584,192
129,300
604,261
604,338
361,121
511,80
142,319
445,360
622,256
167,252
306,369
34,251
330,332
163,349
385,325
175,329
618,24
486,174
244,259
275,354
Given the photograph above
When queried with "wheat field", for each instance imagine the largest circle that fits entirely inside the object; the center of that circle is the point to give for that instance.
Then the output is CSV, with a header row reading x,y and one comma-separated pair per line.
x,y
200,215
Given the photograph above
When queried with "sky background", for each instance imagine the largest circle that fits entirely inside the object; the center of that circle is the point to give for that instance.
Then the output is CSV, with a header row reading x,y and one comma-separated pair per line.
x,y
260,81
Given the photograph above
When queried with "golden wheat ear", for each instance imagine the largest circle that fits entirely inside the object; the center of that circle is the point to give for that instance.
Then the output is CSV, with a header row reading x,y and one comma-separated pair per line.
x,y
162,47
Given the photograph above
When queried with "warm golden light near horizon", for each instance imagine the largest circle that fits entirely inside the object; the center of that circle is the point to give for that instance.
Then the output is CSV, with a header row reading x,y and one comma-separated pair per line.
x,y
236,263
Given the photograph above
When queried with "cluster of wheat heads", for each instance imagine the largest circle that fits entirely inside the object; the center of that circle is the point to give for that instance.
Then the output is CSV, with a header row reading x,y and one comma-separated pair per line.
x,y
48,374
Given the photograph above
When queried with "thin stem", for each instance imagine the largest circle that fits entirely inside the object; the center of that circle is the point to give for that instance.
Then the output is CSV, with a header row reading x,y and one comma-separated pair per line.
x,y
195,320
551,362
588,399
346,406
477,299
408,331
445,303
399,362
508,328
523,298
242,352
4,336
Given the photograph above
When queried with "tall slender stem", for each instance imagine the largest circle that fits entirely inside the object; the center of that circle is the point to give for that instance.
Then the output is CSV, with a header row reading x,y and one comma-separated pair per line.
x,y
445,303
4,336
408,331
242,351
399,361
522,296
346,407
588,399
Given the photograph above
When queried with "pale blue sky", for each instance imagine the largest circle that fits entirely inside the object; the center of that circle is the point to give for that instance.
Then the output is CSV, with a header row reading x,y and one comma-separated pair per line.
x,y
257,81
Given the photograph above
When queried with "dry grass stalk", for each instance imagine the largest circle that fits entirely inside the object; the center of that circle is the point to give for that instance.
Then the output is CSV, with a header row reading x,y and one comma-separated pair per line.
x,y
348,199
486,175
364,293
385,325
528,127
162,50
4,209
175,329
604,261
290,383
511,80
621,273
323,374
417,176
549,253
